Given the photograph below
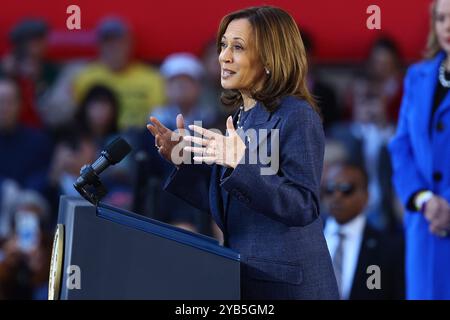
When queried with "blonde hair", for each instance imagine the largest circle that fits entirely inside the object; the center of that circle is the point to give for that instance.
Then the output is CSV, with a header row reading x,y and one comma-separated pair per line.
x,y
281,51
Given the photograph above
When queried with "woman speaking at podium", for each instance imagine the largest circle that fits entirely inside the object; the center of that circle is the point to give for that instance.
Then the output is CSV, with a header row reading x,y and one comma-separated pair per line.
x,y
268,212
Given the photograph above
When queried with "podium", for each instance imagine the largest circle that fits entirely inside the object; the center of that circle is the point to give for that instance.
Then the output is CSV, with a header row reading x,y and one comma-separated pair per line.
x,y
107,253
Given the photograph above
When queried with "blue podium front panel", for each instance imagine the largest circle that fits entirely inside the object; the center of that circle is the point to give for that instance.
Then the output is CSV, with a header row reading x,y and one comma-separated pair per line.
x,y
121,255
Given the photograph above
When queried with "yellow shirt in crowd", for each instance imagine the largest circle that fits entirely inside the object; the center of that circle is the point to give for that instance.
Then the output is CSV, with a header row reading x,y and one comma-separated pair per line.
x,y
139,88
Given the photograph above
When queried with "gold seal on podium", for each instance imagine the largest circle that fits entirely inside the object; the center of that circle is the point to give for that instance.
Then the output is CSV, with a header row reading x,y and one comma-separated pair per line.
x,y
56,264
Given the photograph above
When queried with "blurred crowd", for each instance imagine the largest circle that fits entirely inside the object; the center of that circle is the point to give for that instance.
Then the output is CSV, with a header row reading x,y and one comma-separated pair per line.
x,y
56,117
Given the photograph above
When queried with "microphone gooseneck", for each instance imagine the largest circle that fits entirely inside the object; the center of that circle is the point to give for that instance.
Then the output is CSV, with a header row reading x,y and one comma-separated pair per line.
x,y
89,174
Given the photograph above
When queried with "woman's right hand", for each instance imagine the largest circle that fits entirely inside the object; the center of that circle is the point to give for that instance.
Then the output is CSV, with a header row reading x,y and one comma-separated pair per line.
x,y
437,212
169,143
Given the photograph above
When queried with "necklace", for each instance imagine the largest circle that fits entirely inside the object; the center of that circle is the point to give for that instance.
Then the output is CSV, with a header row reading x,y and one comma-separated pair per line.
x,y
241,109
444,82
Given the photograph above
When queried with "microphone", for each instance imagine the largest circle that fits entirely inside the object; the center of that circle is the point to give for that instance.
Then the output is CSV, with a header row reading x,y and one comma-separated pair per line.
x,y
113,153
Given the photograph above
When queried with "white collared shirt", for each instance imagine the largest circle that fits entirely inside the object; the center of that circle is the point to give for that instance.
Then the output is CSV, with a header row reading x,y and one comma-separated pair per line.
x,y
353,231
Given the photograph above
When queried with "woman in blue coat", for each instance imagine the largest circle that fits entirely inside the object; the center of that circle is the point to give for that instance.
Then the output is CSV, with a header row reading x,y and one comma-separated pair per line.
x,y
261,181
420,154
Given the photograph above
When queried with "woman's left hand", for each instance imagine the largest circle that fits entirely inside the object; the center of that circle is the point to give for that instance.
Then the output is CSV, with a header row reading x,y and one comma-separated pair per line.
x,y
216,148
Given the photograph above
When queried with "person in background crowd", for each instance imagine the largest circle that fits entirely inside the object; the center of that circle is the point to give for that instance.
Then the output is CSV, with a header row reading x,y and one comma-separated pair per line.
x,y
385,69
71,153
27,64
97,115
354,244
183,73
211,88
94,127
383,73
58,106
25,255
9,194
420,154
26,152
322,92
335,153
365,140
139,87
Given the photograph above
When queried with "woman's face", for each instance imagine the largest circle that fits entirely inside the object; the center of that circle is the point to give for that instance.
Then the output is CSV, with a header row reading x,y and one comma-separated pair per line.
x,y
240,66
442,24
100,116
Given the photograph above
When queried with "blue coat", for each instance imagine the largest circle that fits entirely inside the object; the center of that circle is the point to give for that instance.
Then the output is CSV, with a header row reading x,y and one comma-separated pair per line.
x,y
419,156
271,220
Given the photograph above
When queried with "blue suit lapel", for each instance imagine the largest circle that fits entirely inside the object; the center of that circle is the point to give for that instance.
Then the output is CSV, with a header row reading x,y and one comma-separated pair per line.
x,y
225,194
260,116
220,208
426,88
259,119
428,85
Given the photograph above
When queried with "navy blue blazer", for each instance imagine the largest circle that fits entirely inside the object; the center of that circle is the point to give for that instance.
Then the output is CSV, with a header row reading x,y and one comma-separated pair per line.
x,y
271,220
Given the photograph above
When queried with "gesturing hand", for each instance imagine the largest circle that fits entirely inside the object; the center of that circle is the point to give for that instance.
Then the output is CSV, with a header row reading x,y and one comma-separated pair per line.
x,y
215,148
167,140
437,212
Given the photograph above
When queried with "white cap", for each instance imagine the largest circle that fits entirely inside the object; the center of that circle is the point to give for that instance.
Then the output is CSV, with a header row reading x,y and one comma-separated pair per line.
x,y
182,64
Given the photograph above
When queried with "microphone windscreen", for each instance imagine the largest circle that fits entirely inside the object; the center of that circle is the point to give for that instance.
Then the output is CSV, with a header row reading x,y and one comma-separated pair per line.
x,y
117,150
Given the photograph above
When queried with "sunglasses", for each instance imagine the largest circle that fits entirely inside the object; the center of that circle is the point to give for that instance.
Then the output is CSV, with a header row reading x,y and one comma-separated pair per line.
x,y
346,189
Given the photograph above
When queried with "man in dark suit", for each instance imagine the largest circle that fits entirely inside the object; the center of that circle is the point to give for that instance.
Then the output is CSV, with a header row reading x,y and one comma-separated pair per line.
x,y
366,145
359,252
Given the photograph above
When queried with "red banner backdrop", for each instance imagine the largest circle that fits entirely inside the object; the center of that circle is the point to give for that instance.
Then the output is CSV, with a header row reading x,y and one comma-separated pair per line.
x,y
338,27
